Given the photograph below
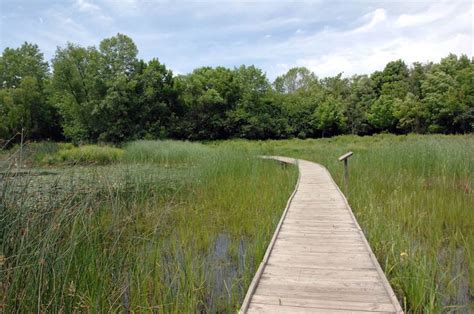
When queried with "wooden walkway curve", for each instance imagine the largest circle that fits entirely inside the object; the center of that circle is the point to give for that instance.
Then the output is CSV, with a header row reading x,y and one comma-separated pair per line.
x,y
318,260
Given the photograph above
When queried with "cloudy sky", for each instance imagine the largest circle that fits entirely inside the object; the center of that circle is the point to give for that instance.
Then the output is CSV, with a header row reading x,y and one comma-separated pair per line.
x,y
326,36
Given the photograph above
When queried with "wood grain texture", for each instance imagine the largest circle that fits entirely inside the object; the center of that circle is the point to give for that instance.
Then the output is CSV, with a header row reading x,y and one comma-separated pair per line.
x,y
318,260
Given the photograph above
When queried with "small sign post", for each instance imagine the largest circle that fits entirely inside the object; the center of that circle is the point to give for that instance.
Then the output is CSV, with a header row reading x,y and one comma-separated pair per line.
x,y
345,158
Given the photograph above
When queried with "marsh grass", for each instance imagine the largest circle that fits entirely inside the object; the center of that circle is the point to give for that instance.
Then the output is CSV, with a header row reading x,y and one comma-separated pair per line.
x,y
165,152
173,227
181,227
413,196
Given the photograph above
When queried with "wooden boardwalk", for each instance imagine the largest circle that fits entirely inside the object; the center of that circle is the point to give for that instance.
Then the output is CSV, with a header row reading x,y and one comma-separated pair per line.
x,y
318,260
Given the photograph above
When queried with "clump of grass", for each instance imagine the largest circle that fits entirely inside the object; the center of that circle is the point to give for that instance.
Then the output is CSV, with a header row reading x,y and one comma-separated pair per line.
x,y
65,146
84,155
32,153
50,153
165,152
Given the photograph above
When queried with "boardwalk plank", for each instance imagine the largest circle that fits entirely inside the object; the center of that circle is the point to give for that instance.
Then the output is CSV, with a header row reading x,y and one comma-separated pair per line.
x,y
362,274
277,309
317,282
323,304
324,290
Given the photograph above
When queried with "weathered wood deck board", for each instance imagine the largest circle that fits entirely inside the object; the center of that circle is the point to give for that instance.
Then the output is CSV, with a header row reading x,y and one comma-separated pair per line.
x,y
319,260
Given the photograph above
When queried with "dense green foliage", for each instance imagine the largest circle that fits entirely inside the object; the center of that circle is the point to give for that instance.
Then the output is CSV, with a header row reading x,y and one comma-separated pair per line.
x,y
24,94
107,94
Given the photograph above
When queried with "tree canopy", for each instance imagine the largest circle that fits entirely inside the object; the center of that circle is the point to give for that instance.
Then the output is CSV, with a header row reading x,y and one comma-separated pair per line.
x,y
90,94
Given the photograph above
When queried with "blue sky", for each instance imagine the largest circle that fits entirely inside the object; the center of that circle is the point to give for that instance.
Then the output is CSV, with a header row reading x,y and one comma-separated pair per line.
x,y
328,37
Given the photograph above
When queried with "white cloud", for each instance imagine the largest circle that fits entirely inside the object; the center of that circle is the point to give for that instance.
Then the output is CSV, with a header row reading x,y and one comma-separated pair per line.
x,y
272,24
86,6
360,59
92,10
275,35
68,29
380,40
129,7
375,17
432,14
341,51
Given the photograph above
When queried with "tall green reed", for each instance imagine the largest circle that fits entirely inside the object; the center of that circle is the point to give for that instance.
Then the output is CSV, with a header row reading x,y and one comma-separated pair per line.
x,y
143,235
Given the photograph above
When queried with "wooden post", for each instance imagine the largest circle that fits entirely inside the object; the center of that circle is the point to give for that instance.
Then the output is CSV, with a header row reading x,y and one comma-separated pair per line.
x,y
345,158
346,176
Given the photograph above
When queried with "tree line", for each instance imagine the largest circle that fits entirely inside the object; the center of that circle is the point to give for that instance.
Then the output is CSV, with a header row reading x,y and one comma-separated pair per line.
x,y
107,94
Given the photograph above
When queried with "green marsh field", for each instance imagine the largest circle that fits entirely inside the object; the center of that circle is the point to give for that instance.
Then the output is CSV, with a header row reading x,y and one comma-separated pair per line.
x,y
169,226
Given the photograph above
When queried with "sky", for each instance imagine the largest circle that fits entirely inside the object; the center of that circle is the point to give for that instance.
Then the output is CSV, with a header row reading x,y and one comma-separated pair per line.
x,y
328,37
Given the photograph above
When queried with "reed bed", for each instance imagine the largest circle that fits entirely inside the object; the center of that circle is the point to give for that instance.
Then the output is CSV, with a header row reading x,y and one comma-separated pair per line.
x,y
171,227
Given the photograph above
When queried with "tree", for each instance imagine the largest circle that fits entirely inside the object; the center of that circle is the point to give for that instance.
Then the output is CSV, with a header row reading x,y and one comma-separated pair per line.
x,y
160,110
295,79
27,60
465,94
391,86
395,71
448,93
329,117
255,111
22,108
337,87
381,115
78,88
264,120
24,94
110,95
299,108
362,96
411,114
416,76
252,83
118,56
207,94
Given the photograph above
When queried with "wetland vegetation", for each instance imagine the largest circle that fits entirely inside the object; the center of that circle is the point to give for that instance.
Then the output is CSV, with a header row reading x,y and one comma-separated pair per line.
x,y
170,227
178,226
